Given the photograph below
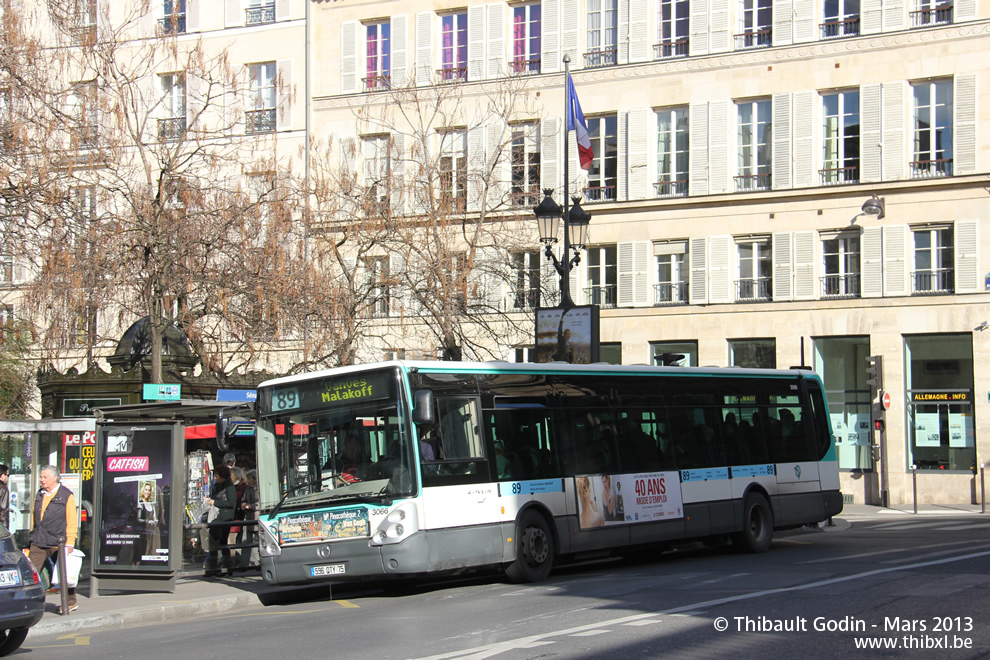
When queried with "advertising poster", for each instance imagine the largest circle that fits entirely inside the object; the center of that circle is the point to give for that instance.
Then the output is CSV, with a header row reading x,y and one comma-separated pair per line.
x,y
329,525
567,335
136,503
961,430
926,430
614,499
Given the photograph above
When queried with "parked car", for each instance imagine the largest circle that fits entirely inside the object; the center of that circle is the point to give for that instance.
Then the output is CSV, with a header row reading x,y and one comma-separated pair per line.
x,y
22,596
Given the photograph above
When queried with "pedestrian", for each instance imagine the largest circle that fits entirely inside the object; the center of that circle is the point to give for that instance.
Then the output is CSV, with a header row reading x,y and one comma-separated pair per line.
x,y
4,496
237,531
249,505
224,498
229,459
54,522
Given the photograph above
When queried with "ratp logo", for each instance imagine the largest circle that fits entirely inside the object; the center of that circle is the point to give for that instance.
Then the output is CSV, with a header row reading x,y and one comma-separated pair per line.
x,y
797,471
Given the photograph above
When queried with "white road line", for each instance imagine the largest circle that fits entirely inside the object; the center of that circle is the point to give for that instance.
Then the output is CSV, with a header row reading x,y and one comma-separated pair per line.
x,y
887,552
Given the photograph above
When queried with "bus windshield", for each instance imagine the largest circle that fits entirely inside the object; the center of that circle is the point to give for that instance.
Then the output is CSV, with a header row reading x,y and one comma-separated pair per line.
x,y
336,440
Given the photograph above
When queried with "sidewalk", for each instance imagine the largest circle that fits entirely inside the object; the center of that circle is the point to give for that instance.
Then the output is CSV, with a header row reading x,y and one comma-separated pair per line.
x,y
194,596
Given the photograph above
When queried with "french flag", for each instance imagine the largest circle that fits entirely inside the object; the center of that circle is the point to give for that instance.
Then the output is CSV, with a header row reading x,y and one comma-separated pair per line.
x,y
575,122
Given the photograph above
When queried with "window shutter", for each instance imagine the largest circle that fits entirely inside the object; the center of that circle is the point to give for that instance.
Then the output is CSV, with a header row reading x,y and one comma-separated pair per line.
x,y
396,277
894,133
783,25
633,271
622,178
869,141
698,258
399,27
194,100
964,124
718,150
284,111
569,30
283,10
348,147
895,266
720,39
698,149
781,135
894,15
637,144
719,269
804,139
397,185
805,29
496,40
804,265
550,37
871,246
549,282
192,15
498,162
575,278
485,289
698,27
424,48
233,15
967,256
476,42
964,10
476,167
872,16
782,266
349,34
549,153
639,31
622,54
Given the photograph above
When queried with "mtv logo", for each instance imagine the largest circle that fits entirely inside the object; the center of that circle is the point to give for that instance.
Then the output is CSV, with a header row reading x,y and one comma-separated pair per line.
x,y
119,444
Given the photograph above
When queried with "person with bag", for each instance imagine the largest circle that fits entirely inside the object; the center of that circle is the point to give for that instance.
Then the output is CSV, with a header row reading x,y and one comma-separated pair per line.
x,y
54,522
223,496
249,505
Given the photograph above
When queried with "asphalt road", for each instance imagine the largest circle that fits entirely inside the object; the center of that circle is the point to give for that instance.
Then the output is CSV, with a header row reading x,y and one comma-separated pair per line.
x,y
878,587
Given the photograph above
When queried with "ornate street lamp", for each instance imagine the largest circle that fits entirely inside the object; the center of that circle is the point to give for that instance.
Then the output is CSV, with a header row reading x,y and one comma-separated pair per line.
x,y
576,221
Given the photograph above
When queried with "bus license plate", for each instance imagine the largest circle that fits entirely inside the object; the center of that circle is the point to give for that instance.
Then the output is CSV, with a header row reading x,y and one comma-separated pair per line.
x,y
328,569
10,578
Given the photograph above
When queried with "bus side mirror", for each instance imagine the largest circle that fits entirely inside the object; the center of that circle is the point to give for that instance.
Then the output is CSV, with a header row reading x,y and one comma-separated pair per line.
x,y
423,407
223,423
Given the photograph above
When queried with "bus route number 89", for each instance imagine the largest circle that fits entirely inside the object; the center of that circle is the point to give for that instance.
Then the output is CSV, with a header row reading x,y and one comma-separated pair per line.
x,y
285,399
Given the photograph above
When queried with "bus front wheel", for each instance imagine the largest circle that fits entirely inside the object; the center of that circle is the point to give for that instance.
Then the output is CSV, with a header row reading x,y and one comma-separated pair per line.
x,y
534,550
757,531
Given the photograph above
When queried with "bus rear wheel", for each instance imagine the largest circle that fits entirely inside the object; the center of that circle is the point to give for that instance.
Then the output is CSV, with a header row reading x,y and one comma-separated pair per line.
x,y
534,550
757,531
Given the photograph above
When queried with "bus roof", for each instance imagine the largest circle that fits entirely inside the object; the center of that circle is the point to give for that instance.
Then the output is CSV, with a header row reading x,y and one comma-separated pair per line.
x,y
498,366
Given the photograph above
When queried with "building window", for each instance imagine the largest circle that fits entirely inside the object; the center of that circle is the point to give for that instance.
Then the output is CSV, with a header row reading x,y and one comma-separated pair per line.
x,y
262,191
755,24
755,270
932,129
841,19
928,13
602,276
526,34
453,171
260,115
82,109
753,353
672,29
259,11
841,138
83,22
172,122
754,146
6,118
525,157
610,352
7,265
848,397
7,321
453,46
379,291
672,153
939,378
842,267
674,353
377,156
672,275
603,30
526,276
378,52
173,19
934,261
603,176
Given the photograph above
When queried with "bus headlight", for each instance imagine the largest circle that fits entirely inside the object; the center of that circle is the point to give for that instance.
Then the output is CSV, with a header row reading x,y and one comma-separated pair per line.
x,y
401,523
267,542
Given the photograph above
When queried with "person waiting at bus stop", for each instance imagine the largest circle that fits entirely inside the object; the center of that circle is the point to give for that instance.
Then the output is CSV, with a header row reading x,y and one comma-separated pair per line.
x,y
54,522
224,497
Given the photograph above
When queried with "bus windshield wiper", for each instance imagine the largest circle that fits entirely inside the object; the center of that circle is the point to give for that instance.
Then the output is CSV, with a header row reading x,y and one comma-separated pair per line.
x,y
289,491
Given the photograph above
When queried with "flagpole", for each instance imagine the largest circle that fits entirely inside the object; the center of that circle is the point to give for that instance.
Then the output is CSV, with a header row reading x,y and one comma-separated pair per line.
x,y
565,281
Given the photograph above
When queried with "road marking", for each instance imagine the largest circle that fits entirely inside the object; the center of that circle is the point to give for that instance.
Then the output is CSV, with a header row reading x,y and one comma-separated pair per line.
x,y
644,622
492,650
346,603
591,633
963,527
886,552
78,639
896,526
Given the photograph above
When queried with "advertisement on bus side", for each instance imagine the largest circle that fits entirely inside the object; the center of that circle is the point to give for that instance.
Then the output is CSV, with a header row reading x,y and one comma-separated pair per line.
x,y
615,499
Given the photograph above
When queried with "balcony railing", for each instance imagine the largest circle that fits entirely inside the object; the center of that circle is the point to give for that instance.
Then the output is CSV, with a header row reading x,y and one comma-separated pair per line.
x,y
840,286
174,24
452,74
83,35
668,294
600,193
521,198
87,136
941,15
603,296
668,49
450,204
935,282
929,169
259,15
599,58
754,39
524,67
838,29
677,188
751,182
260,121
375,83
834,176
171,128
754,290
525,300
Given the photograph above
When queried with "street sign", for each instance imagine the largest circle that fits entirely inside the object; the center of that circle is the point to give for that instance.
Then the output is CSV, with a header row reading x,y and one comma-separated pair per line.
x,y
885,399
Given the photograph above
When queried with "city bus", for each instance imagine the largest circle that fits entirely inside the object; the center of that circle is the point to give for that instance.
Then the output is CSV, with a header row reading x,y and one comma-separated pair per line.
x,y
409,468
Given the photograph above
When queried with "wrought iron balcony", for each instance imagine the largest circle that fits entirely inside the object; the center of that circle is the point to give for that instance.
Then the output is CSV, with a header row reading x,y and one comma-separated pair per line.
x,y
934,282
376,83
670,48
840,286
755,39
834,176
259,15
174,24
837,29
600,193
603,296
598,58
172,128
519,197
452,74
668,294
525,67
755,289
929,169
260,121
752,182
941,15
677,188
525,300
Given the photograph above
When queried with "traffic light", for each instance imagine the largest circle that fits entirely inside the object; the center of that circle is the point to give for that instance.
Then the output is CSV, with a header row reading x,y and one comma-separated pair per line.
x,y
874,375
879,416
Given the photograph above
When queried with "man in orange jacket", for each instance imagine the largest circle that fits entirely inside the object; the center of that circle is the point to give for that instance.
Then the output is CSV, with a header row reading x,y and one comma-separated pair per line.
x,y
54,523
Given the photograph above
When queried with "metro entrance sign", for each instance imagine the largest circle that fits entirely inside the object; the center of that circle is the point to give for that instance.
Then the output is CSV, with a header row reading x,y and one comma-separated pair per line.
x,y
885,400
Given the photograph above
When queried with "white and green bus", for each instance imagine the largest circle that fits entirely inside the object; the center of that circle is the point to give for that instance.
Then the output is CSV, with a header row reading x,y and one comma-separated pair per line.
x,y
411,468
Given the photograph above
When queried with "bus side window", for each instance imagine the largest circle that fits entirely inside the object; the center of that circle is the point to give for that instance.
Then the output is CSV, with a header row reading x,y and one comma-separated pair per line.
x,y
819,412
